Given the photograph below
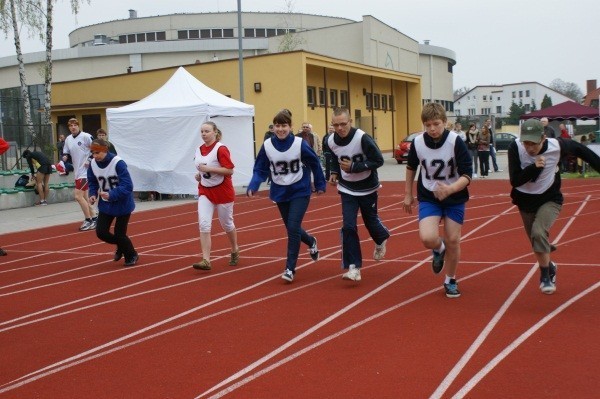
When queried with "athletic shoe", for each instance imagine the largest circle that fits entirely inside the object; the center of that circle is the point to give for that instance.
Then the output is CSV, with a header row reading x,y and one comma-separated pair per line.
x,y
314,251
202,265
547,286
379,251
552,273
353,273
3,252
118,255
552,248
437,264
94,223
133,260
452,289
87,225
288,275
235,258
43,203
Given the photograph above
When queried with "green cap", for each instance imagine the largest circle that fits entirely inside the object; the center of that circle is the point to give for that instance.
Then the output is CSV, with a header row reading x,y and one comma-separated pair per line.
x,y
532,130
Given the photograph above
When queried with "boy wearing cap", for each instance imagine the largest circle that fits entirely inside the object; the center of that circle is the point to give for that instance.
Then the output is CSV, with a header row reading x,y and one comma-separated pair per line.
x,y
533,167
110,185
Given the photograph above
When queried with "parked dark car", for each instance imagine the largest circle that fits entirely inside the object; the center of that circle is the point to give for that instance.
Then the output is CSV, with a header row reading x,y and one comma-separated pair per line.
x,y
401,151
502,140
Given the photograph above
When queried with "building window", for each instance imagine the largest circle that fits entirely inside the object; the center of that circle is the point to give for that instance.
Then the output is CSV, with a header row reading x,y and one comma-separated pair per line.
x,y
343,98
131,38
471,111
527,108
182,34
194,34
498,109
271,32
526,93
227,32
321,97
248,32
449,67
384,104
484,98
122,39
376,101
151,36
392,106
520,93
369,100
161,36
280,32
333,97
310,95
261,32
217,33
514,94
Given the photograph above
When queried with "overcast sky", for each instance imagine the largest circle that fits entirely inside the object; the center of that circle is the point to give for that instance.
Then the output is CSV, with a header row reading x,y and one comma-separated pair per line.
x,y
495,41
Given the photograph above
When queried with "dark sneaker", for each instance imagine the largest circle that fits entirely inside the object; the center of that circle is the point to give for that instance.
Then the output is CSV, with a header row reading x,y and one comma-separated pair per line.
x,y
132,261
235,258
552,273
202,265
288,275
452,289
314,251
547,286
118,255
437,264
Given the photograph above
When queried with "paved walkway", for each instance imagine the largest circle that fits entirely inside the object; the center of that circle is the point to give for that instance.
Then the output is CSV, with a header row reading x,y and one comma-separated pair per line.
x,y
13,220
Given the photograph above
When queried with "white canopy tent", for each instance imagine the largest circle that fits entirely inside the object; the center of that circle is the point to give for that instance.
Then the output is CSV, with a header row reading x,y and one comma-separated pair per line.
x,y
158,135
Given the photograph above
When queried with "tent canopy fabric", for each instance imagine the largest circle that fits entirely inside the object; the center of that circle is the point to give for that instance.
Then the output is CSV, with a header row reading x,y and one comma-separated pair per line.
x,y
158,135
569,110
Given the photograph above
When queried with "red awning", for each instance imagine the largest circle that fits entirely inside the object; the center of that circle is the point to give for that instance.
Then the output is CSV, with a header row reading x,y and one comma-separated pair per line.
x,y
568,110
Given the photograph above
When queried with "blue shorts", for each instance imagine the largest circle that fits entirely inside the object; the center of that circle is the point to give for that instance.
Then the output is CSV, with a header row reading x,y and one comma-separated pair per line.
x,y
455,212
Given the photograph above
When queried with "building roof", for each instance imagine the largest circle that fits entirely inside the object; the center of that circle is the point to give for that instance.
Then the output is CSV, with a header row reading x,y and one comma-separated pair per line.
x,y
568,110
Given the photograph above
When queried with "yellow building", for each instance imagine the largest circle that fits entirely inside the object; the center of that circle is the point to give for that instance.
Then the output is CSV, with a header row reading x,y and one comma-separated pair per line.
x,y
384,103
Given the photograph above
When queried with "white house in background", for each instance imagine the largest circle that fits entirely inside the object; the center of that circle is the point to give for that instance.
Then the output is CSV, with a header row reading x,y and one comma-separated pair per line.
x,y
495,100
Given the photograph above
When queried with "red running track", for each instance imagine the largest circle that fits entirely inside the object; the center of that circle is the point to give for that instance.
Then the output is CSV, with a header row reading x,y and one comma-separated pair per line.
x,y
75,324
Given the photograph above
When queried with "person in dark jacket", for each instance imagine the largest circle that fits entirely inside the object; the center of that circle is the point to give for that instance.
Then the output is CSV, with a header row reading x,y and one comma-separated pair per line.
x,y
110,185
4,146
289,161
533,167
445,173
355,161
42,176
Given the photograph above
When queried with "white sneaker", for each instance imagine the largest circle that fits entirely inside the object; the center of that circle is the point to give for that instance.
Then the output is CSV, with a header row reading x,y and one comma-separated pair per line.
x,y
474,175
353,274
85,226
379,251
288,275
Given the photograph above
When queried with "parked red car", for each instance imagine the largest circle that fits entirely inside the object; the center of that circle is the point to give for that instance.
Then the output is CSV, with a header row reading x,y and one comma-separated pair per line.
x,y
401,151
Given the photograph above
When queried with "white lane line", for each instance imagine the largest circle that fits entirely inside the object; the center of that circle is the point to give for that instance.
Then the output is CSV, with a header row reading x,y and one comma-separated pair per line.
x,y
466,357
517,342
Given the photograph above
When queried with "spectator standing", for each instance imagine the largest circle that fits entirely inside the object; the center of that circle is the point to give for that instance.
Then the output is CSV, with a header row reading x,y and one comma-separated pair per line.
x,y
215,191
488,123
269,133
77,146
102,135
445,173
111,187
60,144
461,133
532,168
287,159
483,151
548,130
355,161
317,141
327,152
472,141
42,176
